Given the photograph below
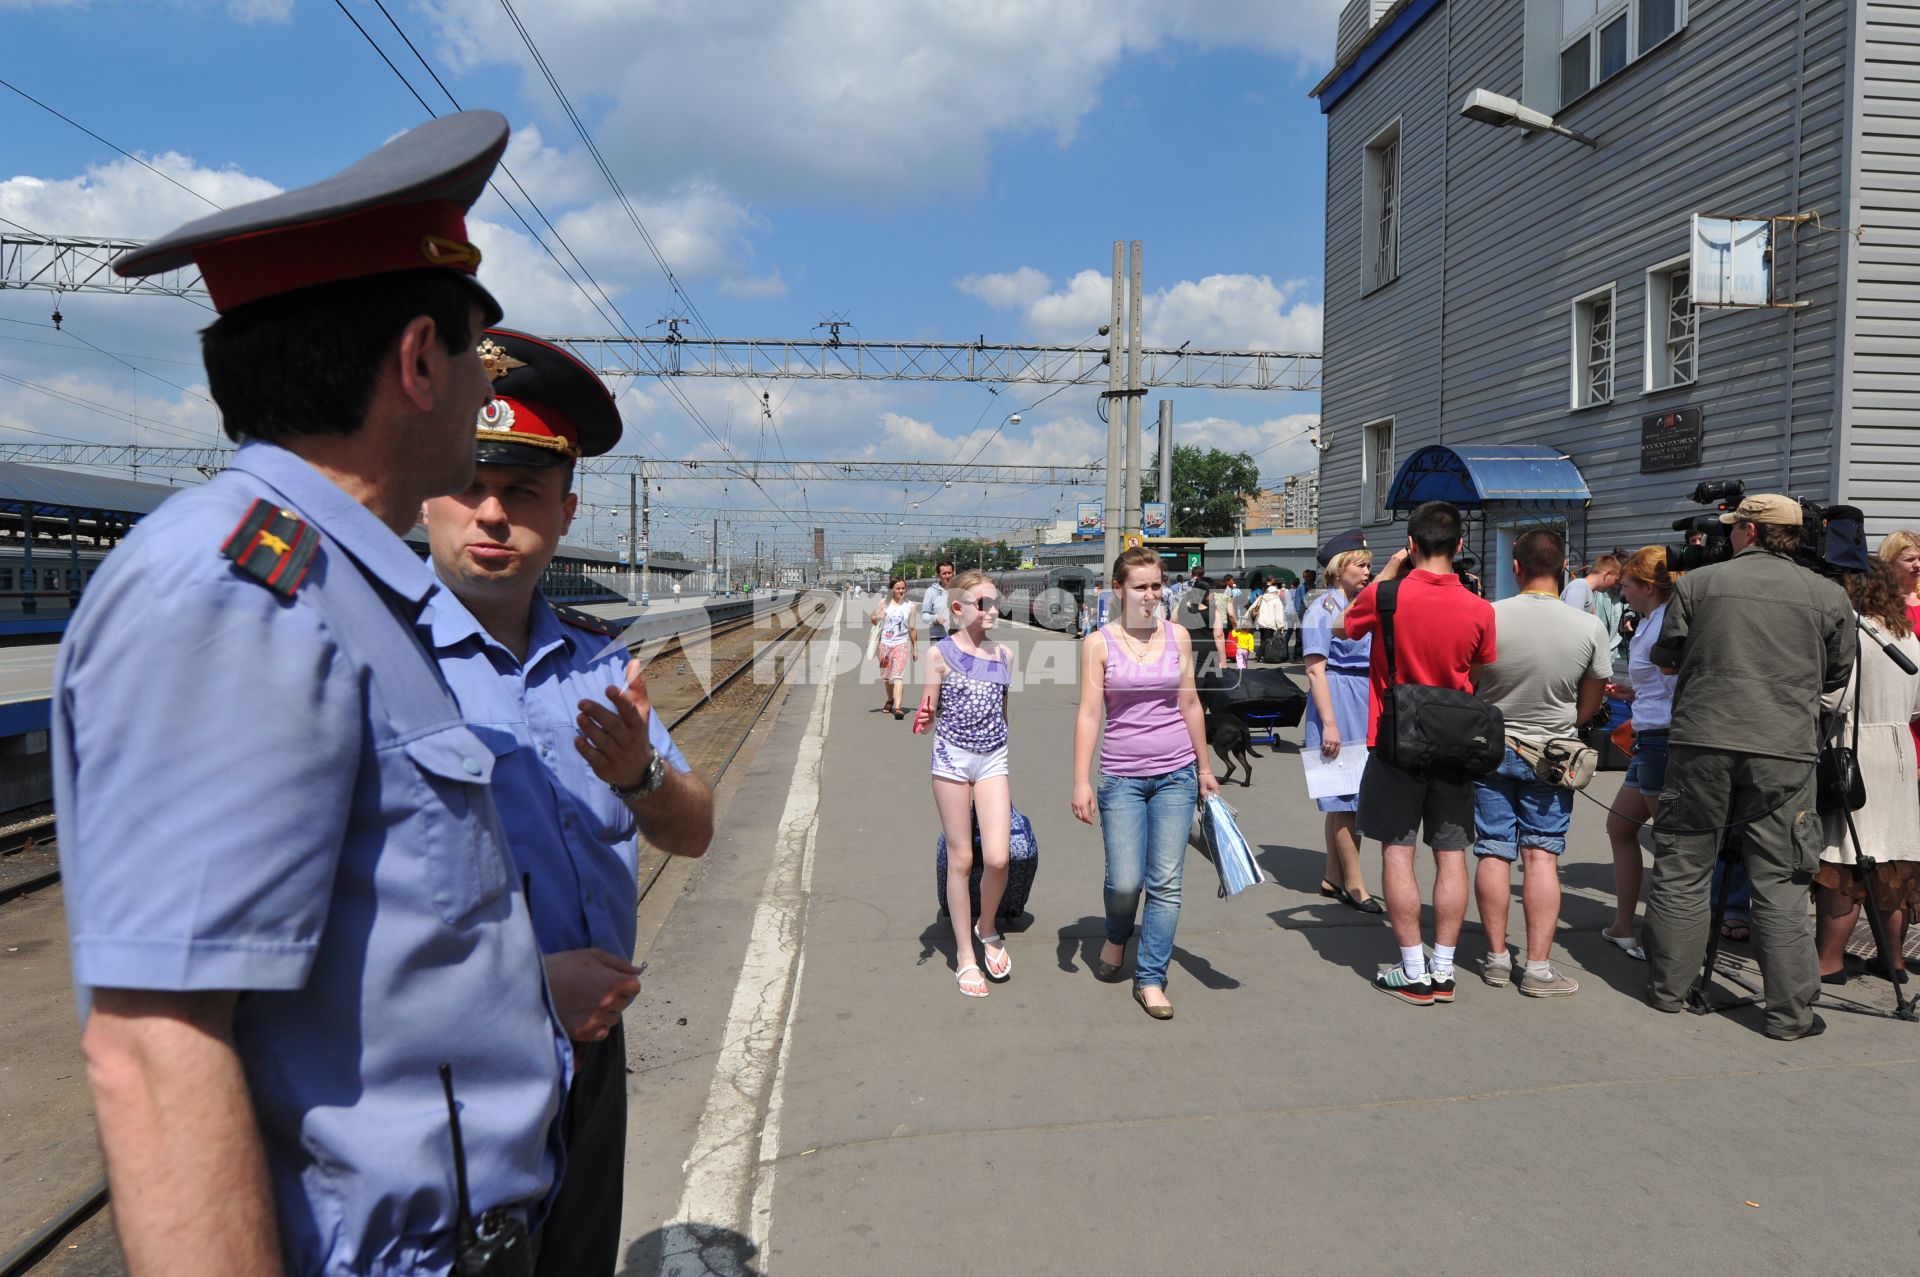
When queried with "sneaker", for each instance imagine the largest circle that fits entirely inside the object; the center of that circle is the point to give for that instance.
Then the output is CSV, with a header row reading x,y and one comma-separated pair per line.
x,y
1442,985
1552,985
1396,981
1497,970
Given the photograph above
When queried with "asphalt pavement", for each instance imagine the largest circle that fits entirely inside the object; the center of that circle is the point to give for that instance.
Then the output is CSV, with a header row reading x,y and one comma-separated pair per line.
x,y
812,1095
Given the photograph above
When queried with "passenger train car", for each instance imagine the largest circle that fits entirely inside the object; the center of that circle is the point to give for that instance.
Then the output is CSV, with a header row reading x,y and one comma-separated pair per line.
x,y
38,595
1047,597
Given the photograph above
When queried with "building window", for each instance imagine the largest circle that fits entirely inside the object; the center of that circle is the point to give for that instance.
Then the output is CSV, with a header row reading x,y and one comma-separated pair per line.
x,y
1598,38
1673,327
1380,209
1376,468
1593,349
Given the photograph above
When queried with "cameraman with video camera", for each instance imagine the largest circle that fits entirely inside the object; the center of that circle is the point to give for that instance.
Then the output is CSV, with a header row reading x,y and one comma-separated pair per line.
x,y
1755,641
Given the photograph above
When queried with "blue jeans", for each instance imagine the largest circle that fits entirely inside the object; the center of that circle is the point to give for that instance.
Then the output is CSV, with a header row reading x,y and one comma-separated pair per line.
x,y
1513,809
1144,822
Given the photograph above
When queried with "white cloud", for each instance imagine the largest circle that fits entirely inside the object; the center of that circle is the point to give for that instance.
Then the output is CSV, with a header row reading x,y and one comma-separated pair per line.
x,y
754,287
837,99
1218,312
1233,312
1006,289
256,11
124,199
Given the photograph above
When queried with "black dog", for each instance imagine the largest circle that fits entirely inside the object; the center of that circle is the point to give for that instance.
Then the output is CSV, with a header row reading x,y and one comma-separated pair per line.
x,y
1228,735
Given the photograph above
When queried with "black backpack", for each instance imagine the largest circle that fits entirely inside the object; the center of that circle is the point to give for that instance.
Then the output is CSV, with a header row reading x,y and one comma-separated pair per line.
x,y
1434,731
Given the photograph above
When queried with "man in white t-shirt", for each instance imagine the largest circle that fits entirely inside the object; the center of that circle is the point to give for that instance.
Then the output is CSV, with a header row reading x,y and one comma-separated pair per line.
x,y
1583,591
933,604
1551,676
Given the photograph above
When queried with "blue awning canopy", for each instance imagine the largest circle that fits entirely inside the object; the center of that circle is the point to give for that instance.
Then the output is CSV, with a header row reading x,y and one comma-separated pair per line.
x,y
1490,477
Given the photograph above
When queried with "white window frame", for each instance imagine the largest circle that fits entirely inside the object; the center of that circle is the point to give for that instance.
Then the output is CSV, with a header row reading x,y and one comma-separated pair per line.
x,y
1657,354
1612,11
1582,363
1382,164
1376,479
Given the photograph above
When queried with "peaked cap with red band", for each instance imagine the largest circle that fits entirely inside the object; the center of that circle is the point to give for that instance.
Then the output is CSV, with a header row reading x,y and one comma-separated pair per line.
x,y
548,407
401,208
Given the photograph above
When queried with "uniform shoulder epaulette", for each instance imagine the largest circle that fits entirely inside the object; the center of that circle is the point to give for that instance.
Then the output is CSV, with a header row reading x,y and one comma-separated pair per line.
x,y
273,546
586,621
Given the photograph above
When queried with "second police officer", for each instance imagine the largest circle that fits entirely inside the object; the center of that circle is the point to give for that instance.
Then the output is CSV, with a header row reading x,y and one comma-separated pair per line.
x,y
581,761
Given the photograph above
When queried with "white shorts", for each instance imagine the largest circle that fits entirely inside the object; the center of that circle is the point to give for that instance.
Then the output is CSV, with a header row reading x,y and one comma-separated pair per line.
x,y
952,762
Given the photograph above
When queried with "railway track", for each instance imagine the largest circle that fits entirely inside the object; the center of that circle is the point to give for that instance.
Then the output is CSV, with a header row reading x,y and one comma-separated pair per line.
x,y
712,713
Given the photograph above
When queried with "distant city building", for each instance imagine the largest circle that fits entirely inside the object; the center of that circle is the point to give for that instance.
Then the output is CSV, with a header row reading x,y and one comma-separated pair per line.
x,y
1294,503
1511,314
1300,501
862,561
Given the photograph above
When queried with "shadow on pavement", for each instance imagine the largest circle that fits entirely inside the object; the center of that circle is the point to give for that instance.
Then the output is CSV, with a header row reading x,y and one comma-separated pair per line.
x,y
699,1248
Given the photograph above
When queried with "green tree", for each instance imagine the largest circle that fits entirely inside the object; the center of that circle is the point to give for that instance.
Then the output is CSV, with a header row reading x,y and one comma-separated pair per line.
x,y
1209,489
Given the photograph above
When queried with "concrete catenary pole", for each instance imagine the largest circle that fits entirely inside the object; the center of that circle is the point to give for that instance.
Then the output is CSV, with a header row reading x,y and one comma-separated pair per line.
x,y
633,542
1131,501
1116,418
1164,490
646,540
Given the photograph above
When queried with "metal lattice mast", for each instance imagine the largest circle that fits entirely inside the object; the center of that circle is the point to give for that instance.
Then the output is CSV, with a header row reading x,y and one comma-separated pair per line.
x,y
80,264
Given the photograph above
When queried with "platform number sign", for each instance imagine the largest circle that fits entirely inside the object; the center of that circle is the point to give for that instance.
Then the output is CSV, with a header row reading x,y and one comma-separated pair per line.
x,y
1193,560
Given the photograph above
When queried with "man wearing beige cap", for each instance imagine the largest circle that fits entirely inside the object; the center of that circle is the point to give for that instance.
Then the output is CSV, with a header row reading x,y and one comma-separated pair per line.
x,y
1755,641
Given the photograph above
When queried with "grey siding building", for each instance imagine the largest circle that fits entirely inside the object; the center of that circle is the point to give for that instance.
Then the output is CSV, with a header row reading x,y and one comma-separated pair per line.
x,y
1493,289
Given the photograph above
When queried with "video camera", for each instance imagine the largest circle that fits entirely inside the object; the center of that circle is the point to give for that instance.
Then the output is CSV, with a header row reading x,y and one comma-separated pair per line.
x,y
1835,540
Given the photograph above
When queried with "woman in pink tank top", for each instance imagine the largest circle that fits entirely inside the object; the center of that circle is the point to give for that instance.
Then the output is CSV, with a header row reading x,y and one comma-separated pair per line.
x,y
1136,676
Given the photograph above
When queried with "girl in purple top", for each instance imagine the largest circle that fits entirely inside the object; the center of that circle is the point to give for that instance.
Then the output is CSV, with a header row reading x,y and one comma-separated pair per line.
x,y
1137,675
966,700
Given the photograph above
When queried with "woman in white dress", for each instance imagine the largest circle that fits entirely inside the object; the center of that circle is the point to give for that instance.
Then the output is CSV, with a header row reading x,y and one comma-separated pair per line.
x,y
1887,701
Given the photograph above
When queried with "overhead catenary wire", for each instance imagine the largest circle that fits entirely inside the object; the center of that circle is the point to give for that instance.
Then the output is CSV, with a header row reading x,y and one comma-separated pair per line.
x,y
603,305
102,141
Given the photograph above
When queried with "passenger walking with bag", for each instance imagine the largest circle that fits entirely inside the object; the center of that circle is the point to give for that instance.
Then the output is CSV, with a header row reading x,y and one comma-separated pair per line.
x,y
1337,709
895,617
968,677
1136,675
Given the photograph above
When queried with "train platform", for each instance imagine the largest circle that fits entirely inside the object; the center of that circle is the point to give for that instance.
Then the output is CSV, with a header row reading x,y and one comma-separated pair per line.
x,y
812,1095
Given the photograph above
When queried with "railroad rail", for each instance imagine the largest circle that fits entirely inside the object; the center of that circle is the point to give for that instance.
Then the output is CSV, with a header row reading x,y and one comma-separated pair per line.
x,y
720,701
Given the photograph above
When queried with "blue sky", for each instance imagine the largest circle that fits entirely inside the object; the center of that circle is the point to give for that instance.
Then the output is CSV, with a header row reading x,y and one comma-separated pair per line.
x,y
929,170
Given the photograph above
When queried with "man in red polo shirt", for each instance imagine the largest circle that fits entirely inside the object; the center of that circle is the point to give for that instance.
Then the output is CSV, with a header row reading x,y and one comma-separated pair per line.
x,y
1443,635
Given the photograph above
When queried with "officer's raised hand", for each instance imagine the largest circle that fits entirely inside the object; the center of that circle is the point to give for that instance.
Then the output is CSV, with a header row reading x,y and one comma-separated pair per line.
x,y
614,737
591,987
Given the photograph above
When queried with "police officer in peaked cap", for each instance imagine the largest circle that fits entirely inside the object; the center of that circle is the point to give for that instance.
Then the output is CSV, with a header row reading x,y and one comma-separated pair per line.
x,y
298,934
582,762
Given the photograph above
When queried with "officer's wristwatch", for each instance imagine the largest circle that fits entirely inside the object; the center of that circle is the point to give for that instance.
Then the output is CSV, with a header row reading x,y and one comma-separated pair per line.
x,y
655,776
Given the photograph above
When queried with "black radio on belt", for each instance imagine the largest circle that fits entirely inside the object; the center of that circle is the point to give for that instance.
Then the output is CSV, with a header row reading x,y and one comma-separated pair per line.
x,y
498,1245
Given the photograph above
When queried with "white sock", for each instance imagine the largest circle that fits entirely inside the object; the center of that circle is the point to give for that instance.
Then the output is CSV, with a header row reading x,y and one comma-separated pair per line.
x,y
1540,970
1413,961
1500,959
1443,960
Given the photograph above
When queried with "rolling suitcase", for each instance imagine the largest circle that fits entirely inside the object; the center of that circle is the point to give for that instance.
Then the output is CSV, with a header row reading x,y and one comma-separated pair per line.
x,y
1022,860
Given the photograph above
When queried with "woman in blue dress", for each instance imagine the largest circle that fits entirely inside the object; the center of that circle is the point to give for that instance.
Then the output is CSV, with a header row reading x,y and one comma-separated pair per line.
x,y
1337,707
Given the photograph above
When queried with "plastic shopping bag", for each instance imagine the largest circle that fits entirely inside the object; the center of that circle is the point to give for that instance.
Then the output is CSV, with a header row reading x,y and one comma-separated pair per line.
x,y
1220,839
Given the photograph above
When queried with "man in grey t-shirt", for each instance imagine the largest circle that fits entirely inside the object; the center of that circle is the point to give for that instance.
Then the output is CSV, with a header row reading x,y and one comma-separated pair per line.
x,y
1552,672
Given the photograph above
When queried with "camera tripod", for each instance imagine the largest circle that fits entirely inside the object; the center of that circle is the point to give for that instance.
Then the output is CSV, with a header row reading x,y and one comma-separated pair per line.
x,y
1700,999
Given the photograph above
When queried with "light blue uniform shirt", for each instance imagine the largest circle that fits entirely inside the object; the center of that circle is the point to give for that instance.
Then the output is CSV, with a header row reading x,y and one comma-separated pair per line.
x,y
571,835
279,797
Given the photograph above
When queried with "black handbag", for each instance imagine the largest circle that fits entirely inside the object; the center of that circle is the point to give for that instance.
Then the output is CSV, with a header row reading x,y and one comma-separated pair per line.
x,y
1434,731
1838,785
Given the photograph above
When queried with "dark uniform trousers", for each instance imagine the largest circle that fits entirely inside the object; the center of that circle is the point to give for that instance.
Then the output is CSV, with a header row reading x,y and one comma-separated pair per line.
x,y
1708,788
581,1237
